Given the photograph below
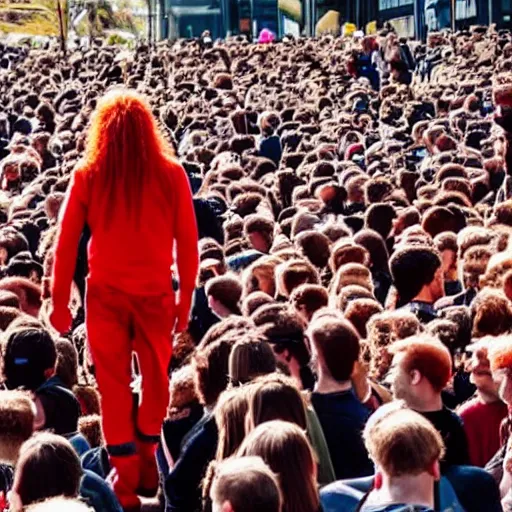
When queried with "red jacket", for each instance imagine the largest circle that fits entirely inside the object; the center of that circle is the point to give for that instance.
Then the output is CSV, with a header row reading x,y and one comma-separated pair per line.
x,y
130,256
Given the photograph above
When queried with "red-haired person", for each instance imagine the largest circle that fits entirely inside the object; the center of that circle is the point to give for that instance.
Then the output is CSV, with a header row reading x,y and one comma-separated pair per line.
x,y
421,369
137,202
500,357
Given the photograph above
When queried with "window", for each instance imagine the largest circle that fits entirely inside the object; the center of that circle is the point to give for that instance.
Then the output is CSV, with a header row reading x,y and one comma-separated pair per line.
x,y
465,9
393,4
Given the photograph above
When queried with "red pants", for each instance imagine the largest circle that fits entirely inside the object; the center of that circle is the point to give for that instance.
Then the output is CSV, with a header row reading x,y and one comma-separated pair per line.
x,y
119,324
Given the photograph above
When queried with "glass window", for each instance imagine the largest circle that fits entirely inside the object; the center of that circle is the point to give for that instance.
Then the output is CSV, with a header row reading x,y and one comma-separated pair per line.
x,y
465,9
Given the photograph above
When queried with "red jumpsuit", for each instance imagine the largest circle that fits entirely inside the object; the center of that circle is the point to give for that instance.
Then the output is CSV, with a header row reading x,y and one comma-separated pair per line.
x,y
130,307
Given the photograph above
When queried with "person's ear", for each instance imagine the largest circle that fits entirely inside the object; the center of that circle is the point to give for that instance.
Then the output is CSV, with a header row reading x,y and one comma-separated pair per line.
x,y
227,507
415,377
49,373
287,355
377,482
435,470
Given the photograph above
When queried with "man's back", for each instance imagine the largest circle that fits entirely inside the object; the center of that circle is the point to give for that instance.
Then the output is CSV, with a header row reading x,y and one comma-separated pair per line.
x,y
343,418
451,428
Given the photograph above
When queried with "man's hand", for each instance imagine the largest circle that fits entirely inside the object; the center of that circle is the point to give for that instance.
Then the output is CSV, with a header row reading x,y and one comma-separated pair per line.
x,y
61,319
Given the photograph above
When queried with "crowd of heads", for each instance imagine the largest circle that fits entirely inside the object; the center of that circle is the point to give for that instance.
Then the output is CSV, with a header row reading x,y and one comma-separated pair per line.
x,y
354,212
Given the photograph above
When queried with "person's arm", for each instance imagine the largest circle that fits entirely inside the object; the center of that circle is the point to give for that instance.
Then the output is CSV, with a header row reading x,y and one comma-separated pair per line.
x,y
71,225
187,254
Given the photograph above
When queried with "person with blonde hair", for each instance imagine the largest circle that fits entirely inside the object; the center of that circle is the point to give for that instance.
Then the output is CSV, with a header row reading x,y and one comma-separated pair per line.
x,y
136,199
279,443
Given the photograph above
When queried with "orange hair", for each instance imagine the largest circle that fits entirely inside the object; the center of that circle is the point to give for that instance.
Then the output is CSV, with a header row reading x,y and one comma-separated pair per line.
x,y
124,148
427,355
500,353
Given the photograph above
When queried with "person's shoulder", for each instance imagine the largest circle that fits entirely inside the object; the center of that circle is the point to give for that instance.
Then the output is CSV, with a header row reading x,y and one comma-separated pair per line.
x,y
472,407
453,417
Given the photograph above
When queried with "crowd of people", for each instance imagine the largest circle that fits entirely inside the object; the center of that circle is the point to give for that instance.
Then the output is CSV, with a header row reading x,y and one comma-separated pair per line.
x,y
336,212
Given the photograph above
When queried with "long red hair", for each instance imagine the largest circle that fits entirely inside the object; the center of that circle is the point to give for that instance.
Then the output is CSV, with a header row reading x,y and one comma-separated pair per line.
x,y
124,149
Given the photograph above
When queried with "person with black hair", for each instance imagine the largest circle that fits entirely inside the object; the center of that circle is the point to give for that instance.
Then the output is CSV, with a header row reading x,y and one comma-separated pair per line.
x,y
30,359
418,278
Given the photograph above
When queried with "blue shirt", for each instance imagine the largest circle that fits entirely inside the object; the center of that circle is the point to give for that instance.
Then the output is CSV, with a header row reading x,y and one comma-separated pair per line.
x,y
343,418
270,147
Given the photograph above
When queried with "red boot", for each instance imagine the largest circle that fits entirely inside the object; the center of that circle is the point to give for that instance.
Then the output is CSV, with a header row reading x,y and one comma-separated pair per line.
x,y
149,479
124,480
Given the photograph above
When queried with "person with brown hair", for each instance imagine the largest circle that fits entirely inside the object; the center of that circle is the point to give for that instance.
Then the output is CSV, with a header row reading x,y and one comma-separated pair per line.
x,y
278,443
211,377
315,246
230,416
254,301
359,311
382,330
492,313
47,467
29,294
421,368
406,450
250,357
344,251
341,414
285,334
474,263
224,294
292,274
17,416
66,368
275,397
90,428
260,232
446,244
307,299
351,274
379,261
260,276
245,484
